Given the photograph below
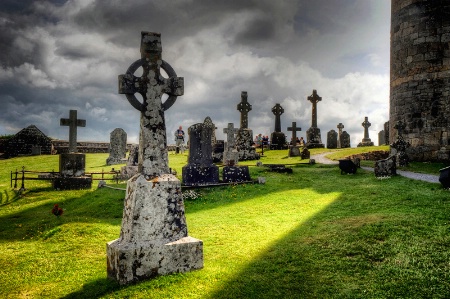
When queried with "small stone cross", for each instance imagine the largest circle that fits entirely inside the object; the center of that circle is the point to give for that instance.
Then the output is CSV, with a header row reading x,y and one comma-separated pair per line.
x,y
340,126
314,98
277,110
230,131
400,126
244,107
294,130
366,124
73,123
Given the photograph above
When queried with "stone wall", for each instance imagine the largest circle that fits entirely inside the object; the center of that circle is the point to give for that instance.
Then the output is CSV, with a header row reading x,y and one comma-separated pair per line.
x,y
372,156
420,76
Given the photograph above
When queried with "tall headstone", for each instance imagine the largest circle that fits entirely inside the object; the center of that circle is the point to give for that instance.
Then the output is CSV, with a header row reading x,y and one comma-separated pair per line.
x,y
244,137
231,172
340,126
366,140
345,140
386,133
381,136
230,154
200,169
277,138
117,147
332,139
294,150
313,137
154,237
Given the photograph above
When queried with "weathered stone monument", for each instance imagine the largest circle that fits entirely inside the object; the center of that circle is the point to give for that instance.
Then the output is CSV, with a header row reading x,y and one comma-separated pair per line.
x,y
381,136
313,138
117,147
386,133
72,164
244,137
200,169
230,154
420,77
294,149
277,138
154,238
345,140
400,146
332,139
131,169
366,140
340,126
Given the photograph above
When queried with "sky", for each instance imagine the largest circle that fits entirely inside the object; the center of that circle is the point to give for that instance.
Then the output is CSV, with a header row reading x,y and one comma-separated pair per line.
x,y
63,55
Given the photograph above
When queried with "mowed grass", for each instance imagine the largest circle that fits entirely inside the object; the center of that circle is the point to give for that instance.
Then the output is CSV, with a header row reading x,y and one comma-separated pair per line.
x,y
311,234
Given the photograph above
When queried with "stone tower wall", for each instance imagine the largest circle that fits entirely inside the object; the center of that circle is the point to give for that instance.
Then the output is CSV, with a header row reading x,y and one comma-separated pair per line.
x,y
420,76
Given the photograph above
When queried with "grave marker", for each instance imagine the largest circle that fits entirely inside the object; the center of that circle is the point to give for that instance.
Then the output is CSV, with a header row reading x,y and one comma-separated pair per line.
x,y
73,122
313,138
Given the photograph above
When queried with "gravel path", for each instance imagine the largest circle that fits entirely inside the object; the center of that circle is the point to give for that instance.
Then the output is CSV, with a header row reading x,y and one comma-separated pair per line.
x,y
320,158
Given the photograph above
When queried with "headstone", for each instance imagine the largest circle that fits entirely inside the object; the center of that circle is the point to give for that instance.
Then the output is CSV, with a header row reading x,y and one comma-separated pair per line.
x,y
294,150
131,169
345,140
218,150
366,140
340,126
386,133
277,138
332,139
244,136
381,136
154,237
230,154
305,154
386,167
313,136
117,147
73,122
200,169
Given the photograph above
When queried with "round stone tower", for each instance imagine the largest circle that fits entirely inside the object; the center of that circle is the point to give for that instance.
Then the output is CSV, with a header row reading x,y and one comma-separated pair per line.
x,y
420,76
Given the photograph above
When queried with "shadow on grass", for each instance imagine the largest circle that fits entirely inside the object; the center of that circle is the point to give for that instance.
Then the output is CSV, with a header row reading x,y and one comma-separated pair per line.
x,y
95,289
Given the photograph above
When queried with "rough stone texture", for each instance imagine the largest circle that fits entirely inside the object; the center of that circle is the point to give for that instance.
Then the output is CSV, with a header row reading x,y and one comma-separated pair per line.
x,y
72,165
381,138
218,150
294,150
340,126
230,154
305,153
347,166
117,147
153,238
277,110
399,150
72,122
386,133
372,156
244,141
313,136
244,107
345,140
200,169
231,174
420,76
386,167
332,139
366,140
278,141
23,142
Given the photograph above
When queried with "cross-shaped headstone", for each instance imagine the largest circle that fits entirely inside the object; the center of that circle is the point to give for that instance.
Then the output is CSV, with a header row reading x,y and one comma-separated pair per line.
x,y
294,130
400,126
314,98
230,131
244,107
340,126
277,110
153,156
73,123
366,124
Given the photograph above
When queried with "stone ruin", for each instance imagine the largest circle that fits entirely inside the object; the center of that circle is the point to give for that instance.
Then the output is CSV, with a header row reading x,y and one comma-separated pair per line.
x,y
117,147
366,140
332,139
313,137
28,141
244,136
277,138
200,169
154,237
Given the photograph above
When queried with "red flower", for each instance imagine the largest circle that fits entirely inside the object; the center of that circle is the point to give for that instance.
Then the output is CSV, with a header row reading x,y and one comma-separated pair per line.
x,y
57,211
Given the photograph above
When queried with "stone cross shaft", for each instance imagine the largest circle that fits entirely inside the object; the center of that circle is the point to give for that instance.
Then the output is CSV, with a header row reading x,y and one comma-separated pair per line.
x,y
314,98
340,126
277,110
400,126
366,124
294,130
230,131
244,107
153,156
73,123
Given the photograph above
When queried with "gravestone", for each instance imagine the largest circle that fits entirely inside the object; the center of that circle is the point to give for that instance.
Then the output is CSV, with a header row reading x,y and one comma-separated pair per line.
x,y
244,136
72,165
218,151
345,140
332,139
117,147
385,167
313,136
277,138
366,140
131,169
154,238
294,150
386,133
381,138
230,154
200,169
340,126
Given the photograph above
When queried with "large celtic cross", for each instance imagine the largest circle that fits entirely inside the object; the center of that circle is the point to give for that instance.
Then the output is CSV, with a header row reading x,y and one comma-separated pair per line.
x,y
314,98
366,124
153,158
277,110
244,107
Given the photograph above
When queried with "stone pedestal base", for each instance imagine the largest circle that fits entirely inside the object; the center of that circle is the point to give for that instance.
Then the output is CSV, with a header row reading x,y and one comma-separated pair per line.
x,y
249,154
194,174
294,151
72,183
236,174
230,157
366,142
313,138
278,141
133,262
72,164
114,161
126,172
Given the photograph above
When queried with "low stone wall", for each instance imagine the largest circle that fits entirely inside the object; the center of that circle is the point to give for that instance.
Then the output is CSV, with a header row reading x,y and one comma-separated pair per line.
x,y
372,156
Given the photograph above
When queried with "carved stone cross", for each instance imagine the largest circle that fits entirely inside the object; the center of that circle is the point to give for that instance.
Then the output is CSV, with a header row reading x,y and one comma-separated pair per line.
x,y
230,131
73,123
294,130
244,107
366,124
153,156
340,126
400,126
314,98
277,110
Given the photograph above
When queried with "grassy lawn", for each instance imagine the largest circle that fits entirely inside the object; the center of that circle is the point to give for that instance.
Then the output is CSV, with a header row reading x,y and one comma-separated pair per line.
x,y
311,234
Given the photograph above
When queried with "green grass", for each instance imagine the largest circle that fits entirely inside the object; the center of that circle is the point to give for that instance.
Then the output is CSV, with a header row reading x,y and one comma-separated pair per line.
x,y
311,234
